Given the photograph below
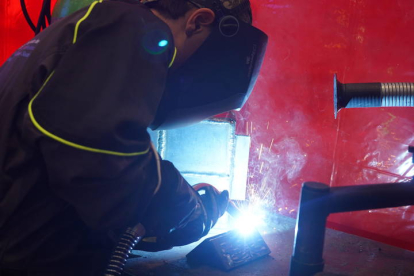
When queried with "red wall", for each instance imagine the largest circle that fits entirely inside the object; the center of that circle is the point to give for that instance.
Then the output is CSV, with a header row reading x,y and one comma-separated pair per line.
x,y
14,31
290,115
291,109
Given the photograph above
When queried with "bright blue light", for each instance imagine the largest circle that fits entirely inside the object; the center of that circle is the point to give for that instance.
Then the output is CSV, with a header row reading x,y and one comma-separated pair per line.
x,y
249,220
163,43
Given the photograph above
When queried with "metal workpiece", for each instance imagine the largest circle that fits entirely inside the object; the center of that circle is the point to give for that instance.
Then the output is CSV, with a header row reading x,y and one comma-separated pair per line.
x,y
319,200
357,95
208,152
344,254
229,250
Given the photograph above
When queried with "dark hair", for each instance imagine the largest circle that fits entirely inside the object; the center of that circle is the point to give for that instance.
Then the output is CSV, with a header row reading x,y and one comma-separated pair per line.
x,y
173,9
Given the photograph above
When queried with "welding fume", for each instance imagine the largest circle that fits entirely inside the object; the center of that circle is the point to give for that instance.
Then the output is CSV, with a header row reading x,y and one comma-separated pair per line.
x,y
81,183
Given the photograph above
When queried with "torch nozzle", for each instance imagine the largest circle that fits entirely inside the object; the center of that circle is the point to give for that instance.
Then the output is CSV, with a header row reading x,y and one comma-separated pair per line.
x,y
233,210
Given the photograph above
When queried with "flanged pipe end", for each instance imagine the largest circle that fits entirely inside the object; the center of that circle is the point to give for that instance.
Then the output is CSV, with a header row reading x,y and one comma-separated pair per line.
x,y
315,186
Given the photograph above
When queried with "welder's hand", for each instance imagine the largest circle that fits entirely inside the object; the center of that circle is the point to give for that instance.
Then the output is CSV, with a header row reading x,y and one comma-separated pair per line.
x,y
214,202
210,207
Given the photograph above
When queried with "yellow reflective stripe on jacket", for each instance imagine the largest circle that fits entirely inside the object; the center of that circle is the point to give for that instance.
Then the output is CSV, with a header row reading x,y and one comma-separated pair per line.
x,y
68,143
75,35
173,58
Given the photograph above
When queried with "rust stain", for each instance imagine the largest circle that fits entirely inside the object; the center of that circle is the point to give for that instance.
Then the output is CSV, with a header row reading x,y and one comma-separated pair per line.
x,y
384,129
360,34
335,46
359,2
359,38
343,18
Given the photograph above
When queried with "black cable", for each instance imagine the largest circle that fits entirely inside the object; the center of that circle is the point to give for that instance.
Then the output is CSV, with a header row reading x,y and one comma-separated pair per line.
x,y
122,250
26,15
41,22
48,13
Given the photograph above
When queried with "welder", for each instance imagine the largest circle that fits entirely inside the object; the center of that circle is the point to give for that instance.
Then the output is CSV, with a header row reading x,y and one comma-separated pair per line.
x,y
77,166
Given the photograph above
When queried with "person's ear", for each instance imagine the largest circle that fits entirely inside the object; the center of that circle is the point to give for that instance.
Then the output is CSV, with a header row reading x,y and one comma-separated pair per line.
x,y
199,21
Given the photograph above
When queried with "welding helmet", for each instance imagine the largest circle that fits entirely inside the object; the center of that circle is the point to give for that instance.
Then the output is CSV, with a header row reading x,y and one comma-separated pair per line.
x,y
221,74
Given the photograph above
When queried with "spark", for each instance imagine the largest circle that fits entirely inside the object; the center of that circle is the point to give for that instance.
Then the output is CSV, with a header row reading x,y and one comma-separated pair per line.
x,y
260,152
251,127
261,167
267,125
271,144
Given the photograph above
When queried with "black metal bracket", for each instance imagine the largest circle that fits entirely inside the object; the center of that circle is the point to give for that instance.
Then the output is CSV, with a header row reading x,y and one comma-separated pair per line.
x,y
318,200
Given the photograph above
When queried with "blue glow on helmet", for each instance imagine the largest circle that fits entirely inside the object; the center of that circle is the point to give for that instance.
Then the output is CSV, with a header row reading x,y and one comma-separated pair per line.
x,y
163,43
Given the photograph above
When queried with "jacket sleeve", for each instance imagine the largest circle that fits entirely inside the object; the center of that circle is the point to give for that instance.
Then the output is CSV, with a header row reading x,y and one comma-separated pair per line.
x,y
89,118
174,206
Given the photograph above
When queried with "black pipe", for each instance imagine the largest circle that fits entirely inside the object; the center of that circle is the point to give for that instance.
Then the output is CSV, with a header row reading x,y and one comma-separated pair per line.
x,y
310,230
355,95
318,201
368,197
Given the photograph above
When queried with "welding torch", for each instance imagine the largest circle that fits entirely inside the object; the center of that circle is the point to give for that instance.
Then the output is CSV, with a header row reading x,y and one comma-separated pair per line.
x,y
233,210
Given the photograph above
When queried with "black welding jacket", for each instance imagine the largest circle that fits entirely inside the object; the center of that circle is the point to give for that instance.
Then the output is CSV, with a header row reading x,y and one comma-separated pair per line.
x,y
75,156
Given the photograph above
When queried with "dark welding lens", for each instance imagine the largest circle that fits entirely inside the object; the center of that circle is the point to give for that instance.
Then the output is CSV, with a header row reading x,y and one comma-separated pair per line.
x,y
229,26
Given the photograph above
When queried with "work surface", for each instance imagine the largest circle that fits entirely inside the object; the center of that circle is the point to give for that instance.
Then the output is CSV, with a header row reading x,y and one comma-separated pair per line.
x,y
344,254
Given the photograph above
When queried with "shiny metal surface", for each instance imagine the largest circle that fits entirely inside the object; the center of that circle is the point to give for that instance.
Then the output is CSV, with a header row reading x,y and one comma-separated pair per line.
x,y
397,94
344,255
208,152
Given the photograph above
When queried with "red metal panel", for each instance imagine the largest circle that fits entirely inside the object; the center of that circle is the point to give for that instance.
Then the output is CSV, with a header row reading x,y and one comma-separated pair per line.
x,y
14,31
290,115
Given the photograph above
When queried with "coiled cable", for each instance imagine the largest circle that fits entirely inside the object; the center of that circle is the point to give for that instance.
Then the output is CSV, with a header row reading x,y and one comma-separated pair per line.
x,y
131,236
122,250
